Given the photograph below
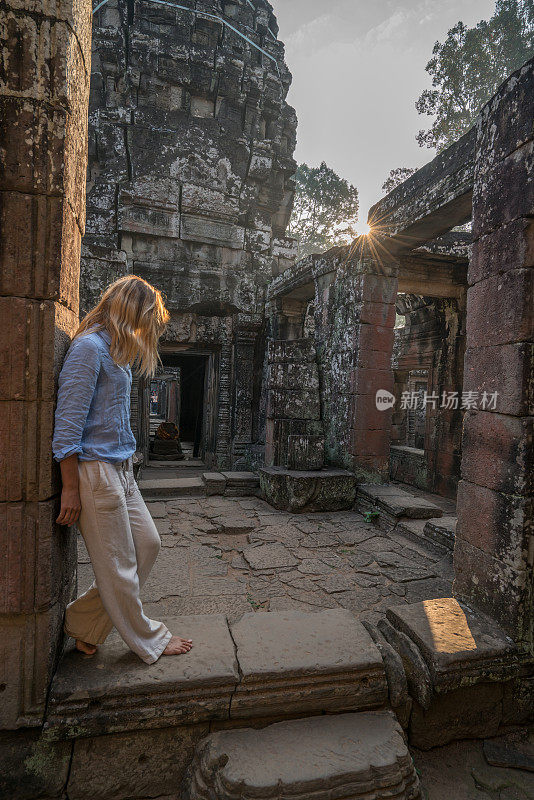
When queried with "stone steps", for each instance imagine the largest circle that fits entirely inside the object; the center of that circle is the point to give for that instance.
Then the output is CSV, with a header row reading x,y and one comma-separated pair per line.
x,y
442,531
390,505
171,487
349,756
276,664
228,484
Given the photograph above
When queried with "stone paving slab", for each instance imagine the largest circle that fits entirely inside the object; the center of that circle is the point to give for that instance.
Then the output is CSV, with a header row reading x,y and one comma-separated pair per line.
x,y
292,662
356,756
114,691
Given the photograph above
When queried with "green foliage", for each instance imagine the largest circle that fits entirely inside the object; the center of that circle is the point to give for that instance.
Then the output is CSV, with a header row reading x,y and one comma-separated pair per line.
x,y
325,210
396,177
469,66
370,516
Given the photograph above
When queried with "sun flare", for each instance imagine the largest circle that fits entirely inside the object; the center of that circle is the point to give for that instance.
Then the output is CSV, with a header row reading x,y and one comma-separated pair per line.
x,y
363,229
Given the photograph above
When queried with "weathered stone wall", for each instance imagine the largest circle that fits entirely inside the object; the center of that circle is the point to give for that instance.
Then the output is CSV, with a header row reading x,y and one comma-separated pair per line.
x,y
44,87
294,437
494,552
190,178
354,319
432,340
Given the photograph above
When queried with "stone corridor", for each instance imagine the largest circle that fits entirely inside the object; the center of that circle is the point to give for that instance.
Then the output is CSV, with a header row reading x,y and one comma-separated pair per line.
x,y
231,555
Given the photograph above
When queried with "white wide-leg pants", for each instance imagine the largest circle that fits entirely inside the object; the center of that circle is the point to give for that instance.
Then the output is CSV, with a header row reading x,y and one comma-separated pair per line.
x,y
123,544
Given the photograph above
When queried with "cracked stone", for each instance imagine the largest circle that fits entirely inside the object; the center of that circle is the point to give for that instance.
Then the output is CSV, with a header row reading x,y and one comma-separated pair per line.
x,y
269,556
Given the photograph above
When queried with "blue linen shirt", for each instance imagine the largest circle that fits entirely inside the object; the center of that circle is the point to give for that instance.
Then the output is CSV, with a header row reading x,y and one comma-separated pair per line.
x,y
93,403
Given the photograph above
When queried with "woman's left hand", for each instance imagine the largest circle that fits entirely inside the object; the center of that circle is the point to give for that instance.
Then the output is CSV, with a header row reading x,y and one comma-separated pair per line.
x,y
70,507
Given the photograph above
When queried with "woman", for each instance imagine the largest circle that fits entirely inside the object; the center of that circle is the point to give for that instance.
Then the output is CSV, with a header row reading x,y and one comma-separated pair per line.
x,y
94,444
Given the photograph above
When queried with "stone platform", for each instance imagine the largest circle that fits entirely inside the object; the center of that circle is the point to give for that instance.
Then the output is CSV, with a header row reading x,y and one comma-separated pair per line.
x,y
308,490
356,756
267,665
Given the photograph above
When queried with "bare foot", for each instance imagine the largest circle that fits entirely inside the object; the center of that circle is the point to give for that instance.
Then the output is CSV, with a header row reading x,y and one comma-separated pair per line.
x,y
177,646
85,647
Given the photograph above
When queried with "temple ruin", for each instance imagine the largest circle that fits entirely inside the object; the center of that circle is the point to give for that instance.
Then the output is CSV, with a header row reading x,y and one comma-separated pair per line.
x,y
383,550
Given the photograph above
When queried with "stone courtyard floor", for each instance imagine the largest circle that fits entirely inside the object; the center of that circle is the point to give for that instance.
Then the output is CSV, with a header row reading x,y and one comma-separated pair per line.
x,y
236,555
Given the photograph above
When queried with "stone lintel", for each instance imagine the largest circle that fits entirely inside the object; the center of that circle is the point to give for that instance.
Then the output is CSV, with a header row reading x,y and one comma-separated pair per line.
x,y
429,203
293,662
459,646
421,274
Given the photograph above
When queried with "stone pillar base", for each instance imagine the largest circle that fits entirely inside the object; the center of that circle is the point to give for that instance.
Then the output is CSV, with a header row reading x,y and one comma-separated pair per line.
x,y
308,490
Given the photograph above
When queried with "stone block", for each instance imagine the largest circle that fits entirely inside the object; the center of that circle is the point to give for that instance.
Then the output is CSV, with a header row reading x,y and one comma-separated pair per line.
x,y
506,371
501,527
325,661
501,130
442,531
369,381
294,404
508,248
209,203
496,589
288,375
115,692
38,558
149,220
305,452
40,253
300,491
460,647
26,464
31,767
138,764
395,502
200,229
31,353
296,351
28,651
215,483
348,755
497,452
503,190
511,319
472,712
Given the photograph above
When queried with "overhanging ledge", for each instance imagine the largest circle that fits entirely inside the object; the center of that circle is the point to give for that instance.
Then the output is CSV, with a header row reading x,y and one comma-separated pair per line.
x,y
431,202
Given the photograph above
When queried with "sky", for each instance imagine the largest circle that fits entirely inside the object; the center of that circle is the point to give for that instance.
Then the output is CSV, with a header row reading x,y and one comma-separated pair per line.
x,y
358,67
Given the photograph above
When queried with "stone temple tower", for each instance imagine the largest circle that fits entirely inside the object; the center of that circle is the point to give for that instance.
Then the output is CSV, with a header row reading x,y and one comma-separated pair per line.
x,y
190,186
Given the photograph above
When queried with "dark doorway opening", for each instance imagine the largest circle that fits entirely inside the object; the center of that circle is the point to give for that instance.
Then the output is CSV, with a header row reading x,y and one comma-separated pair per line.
x,y
191,401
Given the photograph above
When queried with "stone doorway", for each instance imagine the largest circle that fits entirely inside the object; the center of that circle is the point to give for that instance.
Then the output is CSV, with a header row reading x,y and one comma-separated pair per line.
x,y
183,392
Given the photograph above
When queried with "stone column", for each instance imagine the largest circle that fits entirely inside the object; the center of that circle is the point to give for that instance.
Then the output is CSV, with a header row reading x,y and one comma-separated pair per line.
x,y
367,328
245,335
44,87
494,550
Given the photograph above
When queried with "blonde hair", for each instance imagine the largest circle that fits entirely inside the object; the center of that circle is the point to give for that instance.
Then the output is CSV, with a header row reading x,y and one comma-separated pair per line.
x,y
134,314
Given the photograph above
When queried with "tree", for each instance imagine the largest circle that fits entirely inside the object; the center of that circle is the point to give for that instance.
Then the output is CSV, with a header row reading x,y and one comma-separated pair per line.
x,y
325,209
396,177
468,67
